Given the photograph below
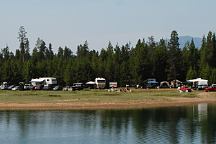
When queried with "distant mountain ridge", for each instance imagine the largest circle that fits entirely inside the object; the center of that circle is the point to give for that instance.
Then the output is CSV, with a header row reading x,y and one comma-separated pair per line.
x,y
184,39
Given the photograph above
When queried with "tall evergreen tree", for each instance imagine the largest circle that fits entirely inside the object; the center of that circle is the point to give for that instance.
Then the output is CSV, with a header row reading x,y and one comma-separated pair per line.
x,y
160,61
174,58
24,44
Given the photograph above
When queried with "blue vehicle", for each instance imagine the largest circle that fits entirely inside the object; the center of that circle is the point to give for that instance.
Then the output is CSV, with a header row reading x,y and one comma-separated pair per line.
x,y
151,83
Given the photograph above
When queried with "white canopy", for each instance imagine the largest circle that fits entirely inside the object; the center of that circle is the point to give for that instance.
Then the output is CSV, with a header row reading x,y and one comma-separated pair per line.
x,y
37,80
197,80
90,83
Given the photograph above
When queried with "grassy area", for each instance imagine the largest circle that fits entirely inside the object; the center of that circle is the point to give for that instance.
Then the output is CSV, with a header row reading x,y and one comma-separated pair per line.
x,y
90,96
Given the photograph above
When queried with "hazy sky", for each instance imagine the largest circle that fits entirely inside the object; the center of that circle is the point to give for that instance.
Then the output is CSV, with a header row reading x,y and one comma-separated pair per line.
x,y
71,22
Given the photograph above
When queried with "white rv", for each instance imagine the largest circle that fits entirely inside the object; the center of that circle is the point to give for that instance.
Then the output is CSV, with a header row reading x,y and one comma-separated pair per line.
x,y
100,83
49,81
45,81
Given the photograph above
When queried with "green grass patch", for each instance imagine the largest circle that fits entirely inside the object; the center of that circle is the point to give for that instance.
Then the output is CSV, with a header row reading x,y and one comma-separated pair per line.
x,y
54,95
89,96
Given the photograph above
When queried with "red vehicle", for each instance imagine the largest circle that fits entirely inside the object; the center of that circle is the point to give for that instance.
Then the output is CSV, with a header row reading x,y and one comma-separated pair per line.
x,y
211,88
185,89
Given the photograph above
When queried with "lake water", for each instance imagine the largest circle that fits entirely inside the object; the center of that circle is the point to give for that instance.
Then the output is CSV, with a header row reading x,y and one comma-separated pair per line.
x,y
192,124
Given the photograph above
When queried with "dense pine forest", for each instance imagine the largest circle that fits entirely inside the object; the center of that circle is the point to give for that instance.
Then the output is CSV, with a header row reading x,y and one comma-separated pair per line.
x,y
163,60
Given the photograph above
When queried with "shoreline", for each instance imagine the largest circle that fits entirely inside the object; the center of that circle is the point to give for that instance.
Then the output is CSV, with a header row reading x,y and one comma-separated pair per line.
x,y
202,97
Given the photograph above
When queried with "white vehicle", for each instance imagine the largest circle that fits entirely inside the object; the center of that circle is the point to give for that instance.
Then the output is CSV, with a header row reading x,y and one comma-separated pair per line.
x,y
4,86
45,81
36,82
28,87
113,84
15,88
49,81
199,83
100,83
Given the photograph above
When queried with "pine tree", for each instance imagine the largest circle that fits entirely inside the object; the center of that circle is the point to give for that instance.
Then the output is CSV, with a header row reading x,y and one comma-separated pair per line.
x,y
68,74
191,73
174,58
24,44
160,61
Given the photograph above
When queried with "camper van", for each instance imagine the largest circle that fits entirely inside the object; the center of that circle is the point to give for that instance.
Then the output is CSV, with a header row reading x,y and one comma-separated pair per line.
x,y
100,83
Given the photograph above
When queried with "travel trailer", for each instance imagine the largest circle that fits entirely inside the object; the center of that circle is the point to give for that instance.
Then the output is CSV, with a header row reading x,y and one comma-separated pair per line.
x,y
100,83
44,81
49,81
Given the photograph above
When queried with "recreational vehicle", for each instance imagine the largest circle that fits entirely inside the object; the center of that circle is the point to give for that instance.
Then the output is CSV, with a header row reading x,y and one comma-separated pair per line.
x,y
48,82
100,83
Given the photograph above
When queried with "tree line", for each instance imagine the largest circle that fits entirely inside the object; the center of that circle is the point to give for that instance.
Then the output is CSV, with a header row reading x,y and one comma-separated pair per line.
x,y
163,60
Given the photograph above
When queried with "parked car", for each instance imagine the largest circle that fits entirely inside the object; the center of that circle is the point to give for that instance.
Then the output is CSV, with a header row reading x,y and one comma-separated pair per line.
x,y
66,88
16,88
57,88
4,86
10,87
37,87
28,87
150,83
47,87
184,89
211,88
78,86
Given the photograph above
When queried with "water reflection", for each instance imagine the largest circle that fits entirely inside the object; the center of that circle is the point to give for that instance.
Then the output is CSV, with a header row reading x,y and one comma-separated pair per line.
x,y
192,124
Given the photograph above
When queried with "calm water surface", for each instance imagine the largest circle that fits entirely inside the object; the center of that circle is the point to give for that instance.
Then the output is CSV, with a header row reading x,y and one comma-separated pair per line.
x,y
191,124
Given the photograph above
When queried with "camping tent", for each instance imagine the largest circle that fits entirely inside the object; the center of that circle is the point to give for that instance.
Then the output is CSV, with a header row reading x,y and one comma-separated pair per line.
x,y
175,83
164,84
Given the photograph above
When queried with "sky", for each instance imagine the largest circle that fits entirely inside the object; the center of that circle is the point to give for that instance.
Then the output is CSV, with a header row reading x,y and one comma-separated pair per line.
x,y
72,22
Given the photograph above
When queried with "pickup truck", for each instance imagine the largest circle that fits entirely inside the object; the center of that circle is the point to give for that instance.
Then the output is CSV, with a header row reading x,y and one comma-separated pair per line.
x,y
77,86
211,88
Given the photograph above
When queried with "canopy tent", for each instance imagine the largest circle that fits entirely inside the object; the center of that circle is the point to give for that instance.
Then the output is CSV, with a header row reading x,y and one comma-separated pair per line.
x,y
199,83
37,80
90,83
198,80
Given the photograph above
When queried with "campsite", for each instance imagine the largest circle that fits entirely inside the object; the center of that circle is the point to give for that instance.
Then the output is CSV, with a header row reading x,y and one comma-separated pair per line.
x,y
51,83
45,93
